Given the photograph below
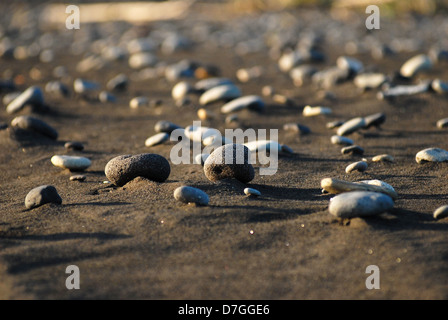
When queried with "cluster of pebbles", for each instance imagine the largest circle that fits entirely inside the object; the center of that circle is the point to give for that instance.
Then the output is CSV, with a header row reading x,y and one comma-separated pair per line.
x,y
301,61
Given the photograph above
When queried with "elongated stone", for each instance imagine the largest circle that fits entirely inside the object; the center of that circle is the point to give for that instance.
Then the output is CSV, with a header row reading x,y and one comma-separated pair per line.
x,y
341,140
189,194
383,158
32,96
359,204
165,126
263,145
351,126
415,64
84,86
439,86
141,60
206,84
118,83
404,90
352,150
73,163
350,64
252,102
78,177
310,111
157,139
224,92
442,123
297,128
431,155
441,212
360,166
384,185
252,192
181,90
368,81
42,195
35,125
74,145
336,186
374,120
302,74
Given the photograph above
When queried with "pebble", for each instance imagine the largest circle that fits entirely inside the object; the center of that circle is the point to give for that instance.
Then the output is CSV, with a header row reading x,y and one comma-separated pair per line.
x,y
57,88
138,102
78,177
360,166
341,140
350,64
35,125
122,169
336,186
352,150
252,192
431,155
198,134
439,86
302,74
209,83
231,118
217,167
359,204
351,126
118,83
310,111
414,65
334,124
189,194
404,90
327,78
9,97
442,123
247,74
105,97
225,92
141,60
297,128
32,96
374,120
204,114
383,158
42,195
157,139
181,89
252,102
74,145
165,126
73,163
83,86
441,212
367,81
263,145
201,158
268,91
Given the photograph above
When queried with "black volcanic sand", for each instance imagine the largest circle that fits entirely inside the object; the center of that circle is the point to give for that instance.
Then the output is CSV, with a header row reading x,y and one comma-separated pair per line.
x,y
137,241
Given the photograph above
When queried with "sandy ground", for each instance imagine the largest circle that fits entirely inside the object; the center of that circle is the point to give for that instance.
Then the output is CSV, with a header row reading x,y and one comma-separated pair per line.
x,y
138,242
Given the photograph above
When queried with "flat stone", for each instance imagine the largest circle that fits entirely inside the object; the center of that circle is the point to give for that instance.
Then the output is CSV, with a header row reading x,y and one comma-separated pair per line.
x,y
35,125
336,186
78,177
359,204
125,168
351,126
404,90
166,126
74,145
206,84
441,212
42,195
310,111
189,194
360,166
335,139
252,102
263,145
442,123
231,161
252,192
352,150
224,92
73,163
157,139
431,155
32,96
368,81
374,120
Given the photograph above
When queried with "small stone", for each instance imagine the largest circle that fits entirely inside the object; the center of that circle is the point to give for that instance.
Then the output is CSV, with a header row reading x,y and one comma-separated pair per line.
x,y
199,134
439,86
74,145
282,99
302,74
383,158
442,123
231,161
351,126
118,83
35,125
359,204
166,126
268,91
181,90
310,111
9,97
138,102
336,186
263,145
404,90
357,150
141,60
42,195
329,77
251,102
360,166
78,177
334,124
224,92
32,96
441,212
297,128
367,81
252,192
350,64
206,84
341,140
189,194
414,65
247,74
83,86
374,120
57,88
232,118
204,114
431,155
122,169
73,163
157,139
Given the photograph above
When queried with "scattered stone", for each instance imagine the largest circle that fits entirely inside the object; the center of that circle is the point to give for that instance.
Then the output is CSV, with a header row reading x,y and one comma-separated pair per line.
x,y
439,86
125,168
35,125
209,83
268,91
198,134
232,118
327,78
181,90
78,177
334,124
351,126
297,128
335,186
224,92
157,139
247,74
263,145
74,145
251,102
32,96
359,204
353,150
442,123
252,192
404,90
367,81
352,65
414,65
441,212
118,83
73,163
57,88
42,195
189,194
166,126
309,111
302,74
105,97
374,120
341,140
431,155
204,114
360,166
138,102
141,60
383,158
231,161
83,86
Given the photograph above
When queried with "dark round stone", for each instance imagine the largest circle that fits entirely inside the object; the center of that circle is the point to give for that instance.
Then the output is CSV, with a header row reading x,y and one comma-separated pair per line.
x,y
35,125
42,195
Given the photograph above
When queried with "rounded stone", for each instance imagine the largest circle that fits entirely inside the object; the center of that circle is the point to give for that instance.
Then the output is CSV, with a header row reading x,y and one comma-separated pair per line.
x,y
341,140
431,155
383,158
310,111
360,166
441,212
35,125
32,96
352,150
231,161
224,92
122,169
351,126
42,195
252,192
74,145
189,194
359,204
252,102
72,163
165,126
442,123
78,177
415,64
157,139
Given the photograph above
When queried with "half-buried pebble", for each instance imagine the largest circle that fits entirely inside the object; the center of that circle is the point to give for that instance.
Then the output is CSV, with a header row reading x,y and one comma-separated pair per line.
x,y
73,163
224,92
441,212
351,126
78,177
189,194
125,168
431,155
165,126
35,125
156,139
439,86
138,102
32,96
360,166
359,204
231,161
74,145
442,123
252,192
296,128
42,195
353,150
252,102
383,158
